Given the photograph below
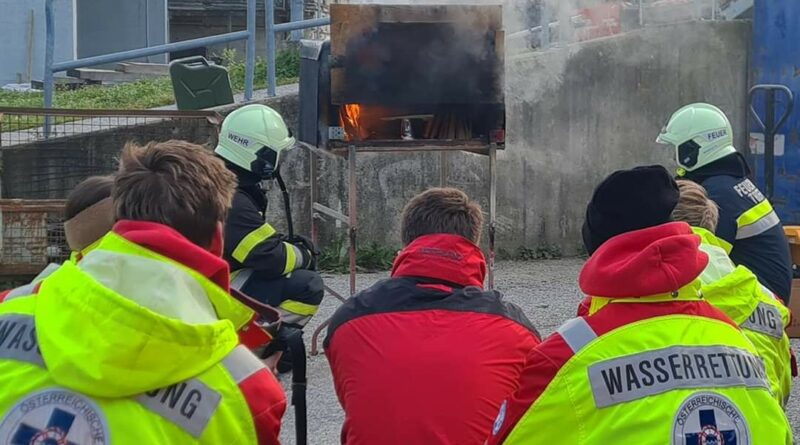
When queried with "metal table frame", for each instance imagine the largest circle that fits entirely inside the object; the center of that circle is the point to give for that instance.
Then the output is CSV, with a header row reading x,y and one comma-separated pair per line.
x,y
351,219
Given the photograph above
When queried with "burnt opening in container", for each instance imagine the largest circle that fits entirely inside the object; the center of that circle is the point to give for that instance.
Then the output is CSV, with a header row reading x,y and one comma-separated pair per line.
x,y
419,63
396,75
414,122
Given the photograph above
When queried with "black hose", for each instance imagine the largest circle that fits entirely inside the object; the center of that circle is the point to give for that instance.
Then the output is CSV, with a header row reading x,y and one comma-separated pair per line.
x,y
287,205
298,351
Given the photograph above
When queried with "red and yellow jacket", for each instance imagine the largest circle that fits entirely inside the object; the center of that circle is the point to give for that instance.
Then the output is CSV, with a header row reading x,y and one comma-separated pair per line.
x,y
152,307
656,365
427,356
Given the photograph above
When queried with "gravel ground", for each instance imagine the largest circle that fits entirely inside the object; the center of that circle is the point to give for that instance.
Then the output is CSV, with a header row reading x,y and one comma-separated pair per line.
x,y
546,290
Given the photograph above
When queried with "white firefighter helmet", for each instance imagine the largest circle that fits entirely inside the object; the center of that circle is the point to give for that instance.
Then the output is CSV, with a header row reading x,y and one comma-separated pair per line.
x,y
254,138
700,133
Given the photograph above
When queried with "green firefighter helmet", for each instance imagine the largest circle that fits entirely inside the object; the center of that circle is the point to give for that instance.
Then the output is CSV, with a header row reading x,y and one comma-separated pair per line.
x,y
700,133
254,138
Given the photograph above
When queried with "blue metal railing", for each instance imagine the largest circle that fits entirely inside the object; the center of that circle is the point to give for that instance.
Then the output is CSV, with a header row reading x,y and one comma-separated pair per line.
x,y
50,68
272,28
249,34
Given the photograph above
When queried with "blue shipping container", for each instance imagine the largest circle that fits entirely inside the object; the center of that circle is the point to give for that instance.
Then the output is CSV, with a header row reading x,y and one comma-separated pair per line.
x,y
776,60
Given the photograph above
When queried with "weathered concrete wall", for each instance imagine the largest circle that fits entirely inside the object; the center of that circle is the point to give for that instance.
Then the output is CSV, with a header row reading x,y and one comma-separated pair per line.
x,y
578,113
573,115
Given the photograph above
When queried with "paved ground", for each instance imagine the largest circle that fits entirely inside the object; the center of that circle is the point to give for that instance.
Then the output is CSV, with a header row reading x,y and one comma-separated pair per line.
x,y
546,290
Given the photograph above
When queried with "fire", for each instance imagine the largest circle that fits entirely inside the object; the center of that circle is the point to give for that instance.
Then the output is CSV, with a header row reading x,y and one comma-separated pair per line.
x,y
351,121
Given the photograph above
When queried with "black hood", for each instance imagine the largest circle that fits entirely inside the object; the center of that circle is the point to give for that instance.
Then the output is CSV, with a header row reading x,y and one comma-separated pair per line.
x,y
732,165
250,184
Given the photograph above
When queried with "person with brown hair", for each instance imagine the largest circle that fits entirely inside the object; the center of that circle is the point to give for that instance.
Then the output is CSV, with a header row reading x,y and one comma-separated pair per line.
x,y
430,342
737,292
88,215
138,341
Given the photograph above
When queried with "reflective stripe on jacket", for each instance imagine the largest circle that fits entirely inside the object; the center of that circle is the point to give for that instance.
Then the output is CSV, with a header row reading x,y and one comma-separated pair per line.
x,y
251,242
750,225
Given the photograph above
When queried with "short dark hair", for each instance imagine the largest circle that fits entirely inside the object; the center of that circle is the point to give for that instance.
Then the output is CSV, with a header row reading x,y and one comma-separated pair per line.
x,y
175,183
88,193
442,210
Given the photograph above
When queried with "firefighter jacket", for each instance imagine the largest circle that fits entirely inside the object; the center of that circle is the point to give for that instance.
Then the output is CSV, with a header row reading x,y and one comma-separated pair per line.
x,y
748,223
251,242
427,356
136,343
656,365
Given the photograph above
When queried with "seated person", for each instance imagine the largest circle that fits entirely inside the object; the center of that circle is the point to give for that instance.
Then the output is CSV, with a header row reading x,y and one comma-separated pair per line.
x,y
656,364
736,291
266,265
88,215
428,355
137,341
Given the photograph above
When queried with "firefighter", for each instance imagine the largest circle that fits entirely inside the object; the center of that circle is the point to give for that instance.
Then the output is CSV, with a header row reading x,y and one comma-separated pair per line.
x,y
429,344
703,140
735,290
657,363
271,267
136,343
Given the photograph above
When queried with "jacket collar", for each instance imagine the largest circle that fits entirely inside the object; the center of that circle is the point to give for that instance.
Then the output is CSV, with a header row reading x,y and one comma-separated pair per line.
x,y
442,257
167,241
732,165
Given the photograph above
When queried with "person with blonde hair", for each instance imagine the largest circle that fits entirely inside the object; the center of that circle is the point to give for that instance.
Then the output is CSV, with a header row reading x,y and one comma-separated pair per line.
x,y
736,291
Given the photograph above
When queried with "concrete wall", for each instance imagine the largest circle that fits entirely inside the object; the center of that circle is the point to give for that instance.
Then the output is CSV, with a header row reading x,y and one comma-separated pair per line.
x,y
578,113
15,21
573,115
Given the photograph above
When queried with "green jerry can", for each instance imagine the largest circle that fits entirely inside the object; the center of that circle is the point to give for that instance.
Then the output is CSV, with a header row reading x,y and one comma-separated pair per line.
x,y
198,84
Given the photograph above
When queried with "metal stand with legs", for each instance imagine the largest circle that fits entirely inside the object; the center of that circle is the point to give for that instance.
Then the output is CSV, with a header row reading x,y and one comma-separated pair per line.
x,y
320,211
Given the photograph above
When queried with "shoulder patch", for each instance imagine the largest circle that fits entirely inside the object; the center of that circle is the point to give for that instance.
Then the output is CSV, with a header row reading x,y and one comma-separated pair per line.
x,y
55,416
766,319
709,418
189,405
18,339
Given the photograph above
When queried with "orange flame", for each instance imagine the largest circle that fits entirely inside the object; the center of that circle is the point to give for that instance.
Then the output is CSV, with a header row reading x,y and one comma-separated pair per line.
x,y
350,117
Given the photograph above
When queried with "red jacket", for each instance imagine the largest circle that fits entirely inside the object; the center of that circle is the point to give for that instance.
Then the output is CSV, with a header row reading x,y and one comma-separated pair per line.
x,y
653,261
427,356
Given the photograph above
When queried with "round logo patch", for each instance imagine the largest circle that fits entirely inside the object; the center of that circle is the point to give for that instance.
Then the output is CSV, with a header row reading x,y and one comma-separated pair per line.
x,y
501,417
54,417
707,418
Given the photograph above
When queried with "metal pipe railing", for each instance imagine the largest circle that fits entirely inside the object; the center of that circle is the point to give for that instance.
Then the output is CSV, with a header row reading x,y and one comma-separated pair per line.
x,y
51,68
249,35
269,30
272,28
